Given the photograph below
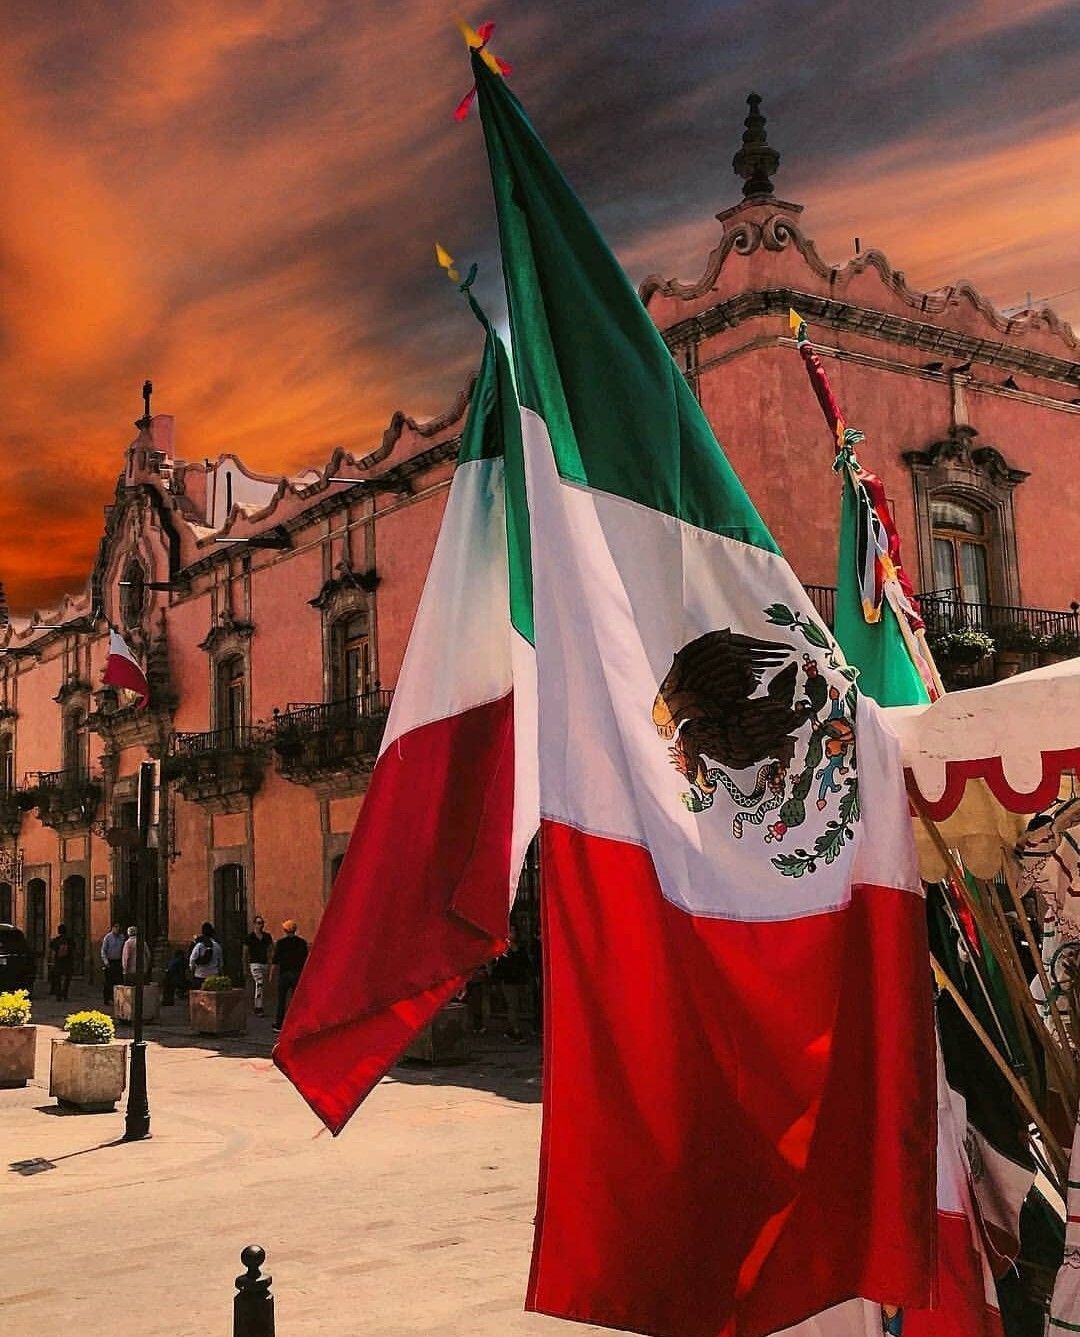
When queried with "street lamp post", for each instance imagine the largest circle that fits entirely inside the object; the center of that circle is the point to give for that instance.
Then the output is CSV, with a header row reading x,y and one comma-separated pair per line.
x,y
137,1119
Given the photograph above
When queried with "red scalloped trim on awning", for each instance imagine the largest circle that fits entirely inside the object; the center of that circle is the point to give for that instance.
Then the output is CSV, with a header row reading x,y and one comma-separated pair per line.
x,y
990,769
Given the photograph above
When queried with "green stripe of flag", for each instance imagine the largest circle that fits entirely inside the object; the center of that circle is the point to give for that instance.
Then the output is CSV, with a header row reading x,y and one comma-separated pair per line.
x,y
492,429
588,358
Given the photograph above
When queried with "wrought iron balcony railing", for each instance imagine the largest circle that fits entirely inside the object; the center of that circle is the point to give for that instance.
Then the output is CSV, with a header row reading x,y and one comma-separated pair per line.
x,y
318,741
65,800
217,766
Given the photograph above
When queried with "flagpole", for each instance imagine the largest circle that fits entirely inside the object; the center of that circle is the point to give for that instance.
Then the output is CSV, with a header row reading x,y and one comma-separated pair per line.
x,y
137,1118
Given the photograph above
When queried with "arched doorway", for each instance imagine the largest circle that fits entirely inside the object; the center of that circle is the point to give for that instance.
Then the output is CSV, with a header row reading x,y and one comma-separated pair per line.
x,y
75,917
36,921
230,917
7,903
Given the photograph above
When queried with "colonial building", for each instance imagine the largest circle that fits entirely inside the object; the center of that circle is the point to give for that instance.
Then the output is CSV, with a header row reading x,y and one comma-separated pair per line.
x,y
272,613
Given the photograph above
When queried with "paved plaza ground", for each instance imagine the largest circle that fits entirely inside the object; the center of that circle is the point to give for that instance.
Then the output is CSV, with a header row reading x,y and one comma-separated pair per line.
x,y
416,1220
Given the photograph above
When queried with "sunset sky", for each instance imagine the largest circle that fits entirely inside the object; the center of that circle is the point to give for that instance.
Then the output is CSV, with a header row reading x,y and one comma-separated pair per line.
x,y
239,198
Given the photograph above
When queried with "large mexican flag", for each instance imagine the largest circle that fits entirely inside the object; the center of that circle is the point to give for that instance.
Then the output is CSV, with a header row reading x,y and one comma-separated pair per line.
x,y
424,894
739,1118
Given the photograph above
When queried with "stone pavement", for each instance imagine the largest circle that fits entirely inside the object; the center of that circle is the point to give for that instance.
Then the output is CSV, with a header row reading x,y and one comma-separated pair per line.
x,y
416,1220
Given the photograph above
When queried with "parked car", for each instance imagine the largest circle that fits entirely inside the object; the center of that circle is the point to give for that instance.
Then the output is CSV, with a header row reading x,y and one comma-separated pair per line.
x,y
16,959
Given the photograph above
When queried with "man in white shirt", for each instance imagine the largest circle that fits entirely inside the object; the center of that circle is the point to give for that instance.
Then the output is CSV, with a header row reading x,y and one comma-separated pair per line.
x,y
112,960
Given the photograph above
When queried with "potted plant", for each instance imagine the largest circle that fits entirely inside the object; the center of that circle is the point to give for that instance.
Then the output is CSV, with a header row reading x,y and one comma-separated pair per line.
x,y
217,1008
18,1039
124,1002
962,648
1061,645
1014,641
88,1070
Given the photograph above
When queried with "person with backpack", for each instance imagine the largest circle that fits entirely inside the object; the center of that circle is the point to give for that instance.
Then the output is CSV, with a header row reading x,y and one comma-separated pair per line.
x,y
206,957
61,963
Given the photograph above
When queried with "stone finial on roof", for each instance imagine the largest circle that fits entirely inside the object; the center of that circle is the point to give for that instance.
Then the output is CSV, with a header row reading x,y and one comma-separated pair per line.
x,y
757,159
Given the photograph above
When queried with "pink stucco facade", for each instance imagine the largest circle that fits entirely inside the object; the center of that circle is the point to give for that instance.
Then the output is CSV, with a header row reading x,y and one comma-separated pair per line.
x,y
270,661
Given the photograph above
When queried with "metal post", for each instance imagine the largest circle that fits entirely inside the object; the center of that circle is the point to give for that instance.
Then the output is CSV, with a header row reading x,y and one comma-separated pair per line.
x,y
253,1305
137,1120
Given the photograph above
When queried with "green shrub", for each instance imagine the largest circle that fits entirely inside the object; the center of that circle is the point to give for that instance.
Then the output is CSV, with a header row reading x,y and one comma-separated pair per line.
x,y
967,645
90,1028
1064,643
15,1008
1018,636
217,983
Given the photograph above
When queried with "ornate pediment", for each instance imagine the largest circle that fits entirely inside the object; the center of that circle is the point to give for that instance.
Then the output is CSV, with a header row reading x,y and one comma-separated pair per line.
x,y
343,588
955,459
227,633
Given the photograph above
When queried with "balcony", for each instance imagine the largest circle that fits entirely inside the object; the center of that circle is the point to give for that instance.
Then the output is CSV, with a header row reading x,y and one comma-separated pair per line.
x,y
1023,637
11,814
220,768
331,747
66,801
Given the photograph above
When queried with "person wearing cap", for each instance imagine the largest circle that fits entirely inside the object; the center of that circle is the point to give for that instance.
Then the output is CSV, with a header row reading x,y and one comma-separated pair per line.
x,y
290,953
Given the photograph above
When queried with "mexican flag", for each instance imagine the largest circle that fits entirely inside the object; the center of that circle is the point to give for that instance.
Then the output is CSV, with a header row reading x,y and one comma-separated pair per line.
x,y
978,1211
423,896
875,621
122,669
739,1118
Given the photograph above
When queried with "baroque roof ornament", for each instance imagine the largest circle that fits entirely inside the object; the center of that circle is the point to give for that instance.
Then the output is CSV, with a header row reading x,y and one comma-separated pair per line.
x,y
757,160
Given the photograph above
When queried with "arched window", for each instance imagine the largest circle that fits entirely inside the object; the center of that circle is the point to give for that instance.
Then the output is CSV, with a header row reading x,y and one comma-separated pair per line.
x,y
7,765
231,695
76,742
133,593
352,657
962,538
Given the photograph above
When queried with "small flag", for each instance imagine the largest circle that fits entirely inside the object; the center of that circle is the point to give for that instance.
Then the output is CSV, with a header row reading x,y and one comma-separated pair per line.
x,y
122,670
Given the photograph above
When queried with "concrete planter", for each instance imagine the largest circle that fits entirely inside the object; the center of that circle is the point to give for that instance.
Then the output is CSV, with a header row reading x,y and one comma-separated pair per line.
x,y
18,1045
1008,663
124,1002
90,1078
445,1040
218,1011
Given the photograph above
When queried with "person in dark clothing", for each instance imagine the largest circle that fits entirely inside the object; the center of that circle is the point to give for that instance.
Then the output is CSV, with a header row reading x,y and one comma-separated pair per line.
x,y
511,972
112,961
258,947
290,953
175,984
61,963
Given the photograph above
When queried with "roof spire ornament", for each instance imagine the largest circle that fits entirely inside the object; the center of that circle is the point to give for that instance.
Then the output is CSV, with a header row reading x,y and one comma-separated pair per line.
x,y
757,159
143,423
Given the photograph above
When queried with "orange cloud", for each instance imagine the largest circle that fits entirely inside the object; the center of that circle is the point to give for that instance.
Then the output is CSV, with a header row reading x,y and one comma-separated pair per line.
x,y
240,200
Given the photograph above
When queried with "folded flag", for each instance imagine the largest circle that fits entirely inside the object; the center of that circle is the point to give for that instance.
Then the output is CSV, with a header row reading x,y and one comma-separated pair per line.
x,y
739,1063
423,896
876,620
122,669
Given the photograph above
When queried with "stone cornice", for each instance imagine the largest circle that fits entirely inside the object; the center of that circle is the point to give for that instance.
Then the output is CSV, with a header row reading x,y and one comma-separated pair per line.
x,y
769,224
852,319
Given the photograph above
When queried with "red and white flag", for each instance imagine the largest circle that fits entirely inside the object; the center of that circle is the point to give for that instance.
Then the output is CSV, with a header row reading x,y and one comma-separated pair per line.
x,y
122,669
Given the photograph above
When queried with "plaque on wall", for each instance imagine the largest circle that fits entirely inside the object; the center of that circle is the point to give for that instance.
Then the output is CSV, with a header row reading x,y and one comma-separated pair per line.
x,y
101,887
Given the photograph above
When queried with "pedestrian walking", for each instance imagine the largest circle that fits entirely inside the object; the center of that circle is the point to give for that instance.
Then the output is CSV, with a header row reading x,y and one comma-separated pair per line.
x,y
258,949
112,959
290,953
61,963
206,957
511,973
175,983
130,956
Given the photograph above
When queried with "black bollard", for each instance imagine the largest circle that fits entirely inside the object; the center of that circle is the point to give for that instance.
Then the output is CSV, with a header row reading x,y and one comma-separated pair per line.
x,y
253,1305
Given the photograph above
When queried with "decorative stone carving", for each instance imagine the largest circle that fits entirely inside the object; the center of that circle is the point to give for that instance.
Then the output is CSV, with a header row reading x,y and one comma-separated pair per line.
x,y
955,466
227,635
